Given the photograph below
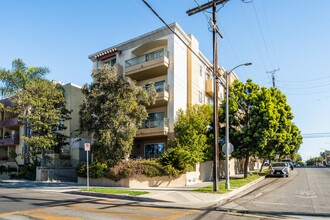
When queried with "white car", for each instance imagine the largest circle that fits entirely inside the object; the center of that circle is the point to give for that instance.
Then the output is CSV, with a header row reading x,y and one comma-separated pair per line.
x,y
280,169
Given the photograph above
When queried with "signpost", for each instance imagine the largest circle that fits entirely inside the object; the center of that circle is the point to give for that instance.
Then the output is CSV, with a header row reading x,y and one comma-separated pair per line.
x,y
87,148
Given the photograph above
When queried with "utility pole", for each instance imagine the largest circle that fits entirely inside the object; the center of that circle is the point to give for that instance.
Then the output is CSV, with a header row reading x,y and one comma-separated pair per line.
x,y
273,75
216,31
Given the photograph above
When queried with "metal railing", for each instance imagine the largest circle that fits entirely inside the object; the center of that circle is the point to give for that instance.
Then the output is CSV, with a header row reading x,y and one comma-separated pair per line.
x,y
154,123
160,87
146,57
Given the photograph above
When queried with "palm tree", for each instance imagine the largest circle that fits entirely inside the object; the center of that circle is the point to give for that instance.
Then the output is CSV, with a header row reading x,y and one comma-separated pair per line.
x,y
12,81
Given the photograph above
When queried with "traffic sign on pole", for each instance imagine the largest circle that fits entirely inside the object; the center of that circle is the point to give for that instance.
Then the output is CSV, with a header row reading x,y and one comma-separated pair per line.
x,y
231,148
87,148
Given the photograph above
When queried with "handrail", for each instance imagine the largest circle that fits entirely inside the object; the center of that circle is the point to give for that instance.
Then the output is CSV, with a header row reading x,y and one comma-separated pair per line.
x,y
154,123
146,57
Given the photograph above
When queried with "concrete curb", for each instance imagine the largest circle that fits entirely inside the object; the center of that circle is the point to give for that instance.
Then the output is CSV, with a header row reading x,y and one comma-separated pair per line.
x,y
236,191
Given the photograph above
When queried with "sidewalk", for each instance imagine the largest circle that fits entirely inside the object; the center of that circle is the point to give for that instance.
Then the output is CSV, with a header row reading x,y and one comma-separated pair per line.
x,y
169,196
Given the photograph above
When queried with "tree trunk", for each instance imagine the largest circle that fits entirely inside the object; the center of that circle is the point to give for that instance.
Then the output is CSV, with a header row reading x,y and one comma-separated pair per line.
x,y
246,164
262,165
43,158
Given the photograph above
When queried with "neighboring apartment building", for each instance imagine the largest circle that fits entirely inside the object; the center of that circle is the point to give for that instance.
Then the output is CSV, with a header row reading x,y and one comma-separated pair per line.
x,y
11,133
179,77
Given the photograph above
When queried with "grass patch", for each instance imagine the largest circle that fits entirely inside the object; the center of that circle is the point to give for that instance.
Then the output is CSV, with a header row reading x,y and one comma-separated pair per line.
x,y
115,191
234,184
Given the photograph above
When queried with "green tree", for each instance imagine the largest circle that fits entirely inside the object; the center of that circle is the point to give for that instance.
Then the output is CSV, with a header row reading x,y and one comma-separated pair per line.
x,y
13,81
112,111
246,134
191,130
41,106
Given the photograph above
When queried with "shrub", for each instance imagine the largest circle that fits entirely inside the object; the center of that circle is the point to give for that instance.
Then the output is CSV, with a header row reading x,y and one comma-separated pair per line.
x,y
177,158
130,168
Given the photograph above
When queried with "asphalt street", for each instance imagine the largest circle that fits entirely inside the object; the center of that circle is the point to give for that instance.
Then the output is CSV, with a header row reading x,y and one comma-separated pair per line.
x,y
31,203
304,194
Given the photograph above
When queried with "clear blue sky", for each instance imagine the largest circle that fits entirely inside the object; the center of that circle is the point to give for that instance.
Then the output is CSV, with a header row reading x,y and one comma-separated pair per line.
x,y
290,35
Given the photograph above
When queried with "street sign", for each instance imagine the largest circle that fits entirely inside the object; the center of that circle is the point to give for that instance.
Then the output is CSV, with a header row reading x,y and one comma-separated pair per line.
x,y
231,148
87,146
222,140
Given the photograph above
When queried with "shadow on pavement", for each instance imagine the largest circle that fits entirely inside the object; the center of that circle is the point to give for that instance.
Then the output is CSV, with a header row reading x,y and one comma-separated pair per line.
x,y
277,213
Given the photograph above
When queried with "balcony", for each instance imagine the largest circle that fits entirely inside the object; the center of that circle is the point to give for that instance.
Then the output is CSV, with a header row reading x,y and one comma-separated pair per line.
x,y
209,87
10,141
9,122
153,128
162,94
147,66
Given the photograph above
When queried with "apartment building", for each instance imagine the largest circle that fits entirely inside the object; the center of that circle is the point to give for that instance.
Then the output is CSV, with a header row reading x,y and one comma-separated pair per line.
x,y
12,131
180,79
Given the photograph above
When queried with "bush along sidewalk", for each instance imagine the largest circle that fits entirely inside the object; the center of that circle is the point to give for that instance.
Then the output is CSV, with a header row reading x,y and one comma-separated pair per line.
x,y
234,184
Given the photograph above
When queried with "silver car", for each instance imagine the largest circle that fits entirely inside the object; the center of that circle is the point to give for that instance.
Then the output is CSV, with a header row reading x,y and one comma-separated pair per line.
x,y
280,169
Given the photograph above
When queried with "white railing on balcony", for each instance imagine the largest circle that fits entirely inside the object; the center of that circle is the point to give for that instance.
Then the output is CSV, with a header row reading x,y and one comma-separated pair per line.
x,y
159,87
146,57
154,123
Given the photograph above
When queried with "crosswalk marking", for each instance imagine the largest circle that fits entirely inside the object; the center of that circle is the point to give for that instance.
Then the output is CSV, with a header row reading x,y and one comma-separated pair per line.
x,y
178,215
47,216
115,213
41,213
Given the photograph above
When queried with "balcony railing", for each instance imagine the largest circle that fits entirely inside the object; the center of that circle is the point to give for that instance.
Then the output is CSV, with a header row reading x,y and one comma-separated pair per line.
x,y
14,140
146,57
159,87
9,122
154,123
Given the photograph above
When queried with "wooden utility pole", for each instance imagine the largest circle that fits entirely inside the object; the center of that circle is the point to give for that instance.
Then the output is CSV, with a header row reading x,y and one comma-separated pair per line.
x,y
190,12
273,75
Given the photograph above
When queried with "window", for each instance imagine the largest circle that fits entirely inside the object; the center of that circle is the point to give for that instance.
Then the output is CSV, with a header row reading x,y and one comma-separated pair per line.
x,y
153,150
155,120
200,97
208,76
60,127
111,62
201,70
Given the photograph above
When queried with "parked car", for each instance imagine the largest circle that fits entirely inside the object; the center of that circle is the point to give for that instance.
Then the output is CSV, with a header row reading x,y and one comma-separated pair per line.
x,y
280,169
288,161
328,164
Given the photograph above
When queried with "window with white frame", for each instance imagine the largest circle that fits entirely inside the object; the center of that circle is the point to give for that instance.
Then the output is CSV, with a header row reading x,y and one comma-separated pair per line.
x,y
201,70
200,97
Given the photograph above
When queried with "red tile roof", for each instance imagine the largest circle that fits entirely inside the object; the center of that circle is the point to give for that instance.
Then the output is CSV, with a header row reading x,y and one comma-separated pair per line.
x,y
107,54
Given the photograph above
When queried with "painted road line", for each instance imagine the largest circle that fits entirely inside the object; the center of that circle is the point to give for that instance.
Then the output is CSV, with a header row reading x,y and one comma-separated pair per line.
x,y
178,215
47,216
114,213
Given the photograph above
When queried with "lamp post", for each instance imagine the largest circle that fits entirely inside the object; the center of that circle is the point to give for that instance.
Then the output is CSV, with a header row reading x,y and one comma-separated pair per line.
x,y
227,122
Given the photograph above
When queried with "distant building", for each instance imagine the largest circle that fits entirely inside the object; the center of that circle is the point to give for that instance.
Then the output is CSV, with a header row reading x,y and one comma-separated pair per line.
x,y
179,76
12,131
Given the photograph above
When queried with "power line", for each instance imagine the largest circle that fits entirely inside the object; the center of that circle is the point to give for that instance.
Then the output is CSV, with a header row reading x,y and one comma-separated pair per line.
x,y
253,37
316,135
262,34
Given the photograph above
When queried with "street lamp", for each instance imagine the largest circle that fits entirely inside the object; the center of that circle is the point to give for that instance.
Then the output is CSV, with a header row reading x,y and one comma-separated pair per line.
x,y
227,122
